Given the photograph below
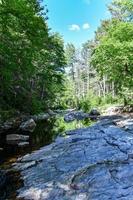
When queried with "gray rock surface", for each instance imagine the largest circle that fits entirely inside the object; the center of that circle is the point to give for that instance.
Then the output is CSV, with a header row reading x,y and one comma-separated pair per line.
x,y
16,138
28,125
40,117
94,163
23,144
94,111
127,124
80,115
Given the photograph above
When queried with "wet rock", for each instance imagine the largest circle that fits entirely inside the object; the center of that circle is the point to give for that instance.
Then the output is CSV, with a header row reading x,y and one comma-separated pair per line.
x,y
23,144
8,125
51,112
94,163
15,138
11,125
40,117
80,115
28,126
75,115
69,117
127,124
94,111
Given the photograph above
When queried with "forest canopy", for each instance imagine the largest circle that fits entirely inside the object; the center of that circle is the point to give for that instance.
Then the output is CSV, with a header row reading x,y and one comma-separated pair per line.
x,y
32,57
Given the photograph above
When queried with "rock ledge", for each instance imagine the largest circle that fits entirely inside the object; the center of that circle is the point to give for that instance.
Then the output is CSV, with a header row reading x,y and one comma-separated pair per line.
x,y
94,163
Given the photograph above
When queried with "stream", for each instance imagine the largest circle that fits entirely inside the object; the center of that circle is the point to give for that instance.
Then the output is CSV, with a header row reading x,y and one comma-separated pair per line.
x,y
44,134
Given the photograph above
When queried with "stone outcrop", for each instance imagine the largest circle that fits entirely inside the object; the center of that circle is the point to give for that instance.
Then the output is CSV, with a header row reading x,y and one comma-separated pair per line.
x,y
119,109
95,112
14,130
24,122
28,126
80,115
40,117
94,163
23,144
15,139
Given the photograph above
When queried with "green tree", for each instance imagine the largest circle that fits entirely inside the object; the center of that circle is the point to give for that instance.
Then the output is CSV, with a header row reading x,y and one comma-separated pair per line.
x,y
113,54
122,10
70,53
32,59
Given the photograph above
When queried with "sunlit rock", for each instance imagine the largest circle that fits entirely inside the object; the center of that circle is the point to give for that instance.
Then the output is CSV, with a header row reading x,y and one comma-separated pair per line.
x,y
94,163
28,126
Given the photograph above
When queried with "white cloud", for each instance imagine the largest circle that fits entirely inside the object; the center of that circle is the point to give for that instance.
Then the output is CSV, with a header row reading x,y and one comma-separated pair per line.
x,y
74,27
86,26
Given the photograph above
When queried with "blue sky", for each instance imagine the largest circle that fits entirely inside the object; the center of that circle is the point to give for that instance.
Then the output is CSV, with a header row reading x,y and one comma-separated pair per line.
x,y
76,20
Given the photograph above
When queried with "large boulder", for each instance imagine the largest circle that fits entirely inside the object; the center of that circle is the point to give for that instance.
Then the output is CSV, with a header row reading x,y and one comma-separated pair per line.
x,y
69,117
51,112
28,126
95,112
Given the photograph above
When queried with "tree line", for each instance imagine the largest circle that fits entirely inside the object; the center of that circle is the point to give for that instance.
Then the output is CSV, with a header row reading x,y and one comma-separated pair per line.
x,y
104,66
32,57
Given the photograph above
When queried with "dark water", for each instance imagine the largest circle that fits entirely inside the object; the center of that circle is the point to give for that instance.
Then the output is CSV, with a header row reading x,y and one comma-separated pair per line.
x,y
44,134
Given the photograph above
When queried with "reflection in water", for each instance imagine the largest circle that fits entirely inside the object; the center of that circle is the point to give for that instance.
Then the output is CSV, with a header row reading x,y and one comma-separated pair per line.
x,y
45,132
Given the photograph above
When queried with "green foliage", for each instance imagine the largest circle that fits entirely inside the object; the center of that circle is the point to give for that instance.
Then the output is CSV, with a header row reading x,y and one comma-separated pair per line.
x,y
122,9
68,99
61,126
93,101
70,53
112,56
84,104
7,114
109,99
32,59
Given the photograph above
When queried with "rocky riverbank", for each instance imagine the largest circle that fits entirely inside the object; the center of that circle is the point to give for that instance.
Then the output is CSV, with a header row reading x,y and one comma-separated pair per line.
x,y
94,163
16,131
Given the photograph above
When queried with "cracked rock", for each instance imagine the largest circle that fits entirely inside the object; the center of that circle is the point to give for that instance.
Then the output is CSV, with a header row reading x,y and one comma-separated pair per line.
x,y
94,163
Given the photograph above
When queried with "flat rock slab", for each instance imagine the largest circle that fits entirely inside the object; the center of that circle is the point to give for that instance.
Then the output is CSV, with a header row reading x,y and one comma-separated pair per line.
x,y
94,163
15,139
